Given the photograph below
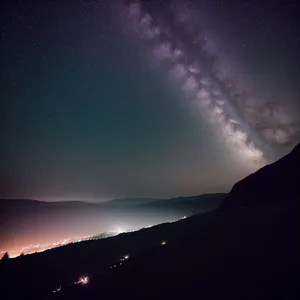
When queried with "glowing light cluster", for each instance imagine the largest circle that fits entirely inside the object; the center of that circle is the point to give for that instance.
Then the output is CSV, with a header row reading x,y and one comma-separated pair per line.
x,y
82,280
38,248
125,257
57,290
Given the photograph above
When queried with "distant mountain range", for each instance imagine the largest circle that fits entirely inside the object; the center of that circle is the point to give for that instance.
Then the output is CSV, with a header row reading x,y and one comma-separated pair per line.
x,y
130,201
194,204
207,201
210,200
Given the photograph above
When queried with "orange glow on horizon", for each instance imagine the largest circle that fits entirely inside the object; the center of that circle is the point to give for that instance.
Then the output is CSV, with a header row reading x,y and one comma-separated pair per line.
x,y
41,247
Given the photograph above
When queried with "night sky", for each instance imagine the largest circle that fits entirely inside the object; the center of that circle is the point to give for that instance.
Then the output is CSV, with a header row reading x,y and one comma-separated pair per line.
x,y
106,99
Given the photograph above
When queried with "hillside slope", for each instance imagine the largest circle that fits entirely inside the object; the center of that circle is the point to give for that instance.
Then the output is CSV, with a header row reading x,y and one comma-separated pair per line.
x,y
274,184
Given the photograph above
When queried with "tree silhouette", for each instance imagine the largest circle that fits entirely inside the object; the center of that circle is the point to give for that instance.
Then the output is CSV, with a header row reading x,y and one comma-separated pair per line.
x,y
5,256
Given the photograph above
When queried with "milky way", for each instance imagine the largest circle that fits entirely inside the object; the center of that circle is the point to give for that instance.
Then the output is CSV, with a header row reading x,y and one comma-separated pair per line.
x,y
247,120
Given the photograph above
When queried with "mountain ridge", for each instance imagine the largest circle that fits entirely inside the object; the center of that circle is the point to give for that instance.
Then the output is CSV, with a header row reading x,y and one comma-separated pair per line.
x,y
268,186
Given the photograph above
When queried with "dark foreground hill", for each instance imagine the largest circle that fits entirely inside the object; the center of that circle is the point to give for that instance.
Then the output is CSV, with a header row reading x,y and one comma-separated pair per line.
x,y
275,184
232,254
246,254
236,252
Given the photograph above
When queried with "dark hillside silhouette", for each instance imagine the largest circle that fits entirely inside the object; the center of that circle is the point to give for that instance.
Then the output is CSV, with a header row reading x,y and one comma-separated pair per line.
x,y
275,184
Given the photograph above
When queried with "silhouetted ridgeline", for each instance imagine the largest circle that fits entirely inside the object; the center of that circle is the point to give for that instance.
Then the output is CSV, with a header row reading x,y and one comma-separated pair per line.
x,y
274,184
